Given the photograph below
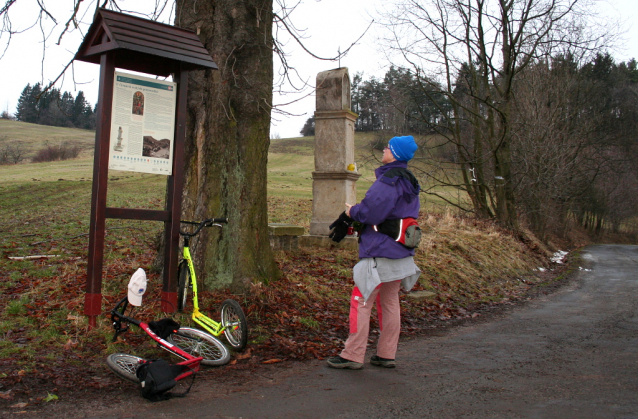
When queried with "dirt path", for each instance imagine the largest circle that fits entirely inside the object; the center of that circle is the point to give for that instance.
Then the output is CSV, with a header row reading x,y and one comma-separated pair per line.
x,y
573,354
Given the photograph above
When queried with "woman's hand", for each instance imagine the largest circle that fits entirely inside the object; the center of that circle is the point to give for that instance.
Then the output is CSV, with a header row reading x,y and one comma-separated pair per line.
x,y
348,206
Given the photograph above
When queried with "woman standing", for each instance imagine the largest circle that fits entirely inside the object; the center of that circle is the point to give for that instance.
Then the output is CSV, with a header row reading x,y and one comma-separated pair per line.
x,y
385,264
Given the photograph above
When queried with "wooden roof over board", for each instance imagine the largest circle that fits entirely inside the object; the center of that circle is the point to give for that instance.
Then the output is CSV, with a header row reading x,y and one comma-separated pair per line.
x,y
143,45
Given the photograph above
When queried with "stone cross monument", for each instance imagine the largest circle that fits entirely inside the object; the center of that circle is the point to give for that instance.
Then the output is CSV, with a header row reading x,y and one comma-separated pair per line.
x,y
335,175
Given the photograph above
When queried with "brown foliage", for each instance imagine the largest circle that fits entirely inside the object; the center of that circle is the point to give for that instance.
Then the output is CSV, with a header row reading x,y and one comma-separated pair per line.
x,y
51,153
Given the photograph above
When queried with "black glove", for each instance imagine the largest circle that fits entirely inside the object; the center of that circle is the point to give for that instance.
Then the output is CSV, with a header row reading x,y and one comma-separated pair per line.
x,y
340,227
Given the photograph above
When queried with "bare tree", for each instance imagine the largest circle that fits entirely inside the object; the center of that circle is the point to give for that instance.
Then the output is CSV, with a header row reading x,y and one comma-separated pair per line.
x,y
555,152
476,50
16,152
4,150
228,132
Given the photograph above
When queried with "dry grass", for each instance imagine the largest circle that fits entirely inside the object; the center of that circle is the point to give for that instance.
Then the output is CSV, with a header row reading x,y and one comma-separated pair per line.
x,y
467,259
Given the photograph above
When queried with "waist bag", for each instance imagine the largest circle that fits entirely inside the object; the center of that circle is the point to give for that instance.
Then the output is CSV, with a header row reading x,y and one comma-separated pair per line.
x,y
404,230
157,377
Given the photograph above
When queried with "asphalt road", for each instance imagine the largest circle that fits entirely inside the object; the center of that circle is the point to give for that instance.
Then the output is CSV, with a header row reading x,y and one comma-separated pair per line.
x,y
572,354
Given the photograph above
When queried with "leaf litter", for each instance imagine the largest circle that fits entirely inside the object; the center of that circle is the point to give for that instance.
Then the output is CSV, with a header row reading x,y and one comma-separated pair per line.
x,y
468,268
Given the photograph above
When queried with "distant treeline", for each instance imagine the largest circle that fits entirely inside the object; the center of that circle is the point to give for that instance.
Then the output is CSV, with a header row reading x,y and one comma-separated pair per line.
x,y
405,102
55,108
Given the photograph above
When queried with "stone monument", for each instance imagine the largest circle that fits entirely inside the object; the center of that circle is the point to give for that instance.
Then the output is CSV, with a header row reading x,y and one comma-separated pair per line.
x,y
335,175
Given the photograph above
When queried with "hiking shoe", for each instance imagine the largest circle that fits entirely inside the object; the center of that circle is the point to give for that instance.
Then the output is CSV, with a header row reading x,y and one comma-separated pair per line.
x,y
382,362
338,362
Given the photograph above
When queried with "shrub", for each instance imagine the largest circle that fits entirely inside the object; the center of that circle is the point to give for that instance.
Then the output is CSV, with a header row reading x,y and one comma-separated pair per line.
x,y
51,153
4,154
11,152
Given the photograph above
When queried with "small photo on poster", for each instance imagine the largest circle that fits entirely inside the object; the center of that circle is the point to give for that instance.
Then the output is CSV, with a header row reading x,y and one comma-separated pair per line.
x,y
160,149
138,103
120,141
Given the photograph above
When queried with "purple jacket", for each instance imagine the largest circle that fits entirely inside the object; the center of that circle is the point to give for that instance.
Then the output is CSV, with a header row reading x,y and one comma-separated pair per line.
x,y
390,197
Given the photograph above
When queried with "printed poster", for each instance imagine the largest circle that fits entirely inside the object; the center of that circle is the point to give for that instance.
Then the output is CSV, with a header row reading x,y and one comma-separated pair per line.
x,y
142,124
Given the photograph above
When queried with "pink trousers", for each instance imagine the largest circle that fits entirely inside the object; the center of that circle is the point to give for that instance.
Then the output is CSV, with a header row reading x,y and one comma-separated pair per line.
x,y
386,296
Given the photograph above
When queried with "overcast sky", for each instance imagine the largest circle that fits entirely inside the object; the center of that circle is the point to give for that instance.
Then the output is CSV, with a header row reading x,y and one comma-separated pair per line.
x,y
331,25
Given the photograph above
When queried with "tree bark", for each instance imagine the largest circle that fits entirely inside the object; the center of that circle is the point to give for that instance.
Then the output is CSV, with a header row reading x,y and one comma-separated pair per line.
x,y
227,139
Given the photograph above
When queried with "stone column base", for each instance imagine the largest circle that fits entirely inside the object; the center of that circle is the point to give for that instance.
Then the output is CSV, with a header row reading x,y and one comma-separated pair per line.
x,y
330,192
284,236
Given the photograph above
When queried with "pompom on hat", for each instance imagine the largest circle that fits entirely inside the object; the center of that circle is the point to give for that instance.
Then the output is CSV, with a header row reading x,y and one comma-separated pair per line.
x,y
403,148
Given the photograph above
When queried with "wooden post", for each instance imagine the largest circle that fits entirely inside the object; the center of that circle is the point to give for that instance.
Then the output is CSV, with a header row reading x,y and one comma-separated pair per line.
x,y
174,196
93,297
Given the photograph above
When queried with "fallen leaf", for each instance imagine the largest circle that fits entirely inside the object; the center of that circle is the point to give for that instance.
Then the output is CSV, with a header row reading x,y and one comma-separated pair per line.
x,y
272,361
20,405
70,344
50,397
6,395
245,355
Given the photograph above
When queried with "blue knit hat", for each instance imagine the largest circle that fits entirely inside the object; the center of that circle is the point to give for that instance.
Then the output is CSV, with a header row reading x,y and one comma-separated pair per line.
x,y
403,148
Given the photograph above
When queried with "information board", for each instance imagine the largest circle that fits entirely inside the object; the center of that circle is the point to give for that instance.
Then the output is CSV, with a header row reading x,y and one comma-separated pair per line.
x,y
142,124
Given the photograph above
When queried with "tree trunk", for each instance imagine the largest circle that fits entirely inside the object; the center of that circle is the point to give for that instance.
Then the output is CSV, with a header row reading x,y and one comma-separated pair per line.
x,y
227,139
506,202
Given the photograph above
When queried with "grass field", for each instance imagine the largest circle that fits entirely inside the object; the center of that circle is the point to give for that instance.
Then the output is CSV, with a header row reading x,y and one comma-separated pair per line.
x,y
290,167
33,136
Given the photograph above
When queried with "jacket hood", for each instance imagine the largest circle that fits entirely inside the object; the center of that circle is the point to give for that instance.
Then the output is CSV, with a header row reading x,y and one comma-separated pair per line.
x,y
396,173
